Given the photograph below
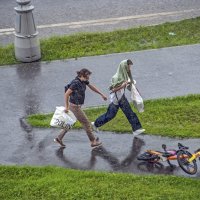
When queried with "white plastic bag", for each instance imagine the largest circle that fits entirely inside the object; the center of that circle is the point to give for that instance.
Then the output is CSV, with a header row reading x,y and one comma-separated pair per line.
x,y
61,119
137,99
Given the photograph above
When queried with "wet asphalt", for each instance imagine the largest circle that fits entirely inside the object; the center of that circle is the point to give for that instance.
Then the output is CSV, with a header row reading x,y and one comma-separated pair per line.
x,y
39,87
87,15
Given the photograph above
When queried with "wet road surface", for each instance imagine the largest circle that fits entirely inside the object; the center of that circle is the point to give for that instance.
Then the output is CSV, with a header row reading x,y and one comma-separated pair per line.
x,y
39,87
118,153
91,16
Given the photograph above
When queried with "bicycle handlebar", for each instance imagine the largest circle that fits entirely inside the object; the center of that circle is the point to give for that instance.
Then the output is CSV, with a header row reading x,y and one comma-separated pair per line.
x,y
181,146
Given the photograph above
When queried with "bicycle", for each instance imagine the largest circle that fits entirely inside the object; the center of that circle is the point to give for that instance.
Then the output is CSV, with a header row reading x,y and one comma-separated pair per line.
x,y
187,161
153,156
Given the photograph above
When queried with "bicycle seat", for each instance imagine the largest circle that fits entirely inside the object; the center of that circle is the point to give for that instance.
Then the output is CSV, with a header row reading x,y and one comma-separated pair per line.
x,y
169,153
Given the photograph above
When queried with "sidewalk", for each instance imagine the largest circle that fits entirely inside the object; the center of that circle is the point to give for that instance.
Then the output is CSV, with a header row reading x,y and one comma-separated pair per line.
x,y
39,87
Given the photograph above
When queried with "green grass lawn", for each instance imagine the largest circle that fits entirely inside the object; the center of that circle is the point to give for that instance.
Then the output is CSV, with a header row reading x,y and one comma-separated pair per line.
x,y
36,183
174,117
88,44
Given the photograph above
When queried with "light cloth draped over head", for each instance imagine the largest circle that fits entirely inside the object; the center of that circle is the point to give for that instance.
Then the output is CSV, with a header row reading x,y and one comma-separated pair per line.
x,y
121,75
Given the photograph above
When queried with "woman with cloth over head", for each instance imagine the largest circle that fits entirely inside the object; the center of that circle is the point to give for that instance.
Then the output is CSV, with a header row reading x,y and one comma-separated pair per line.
x,y
119,82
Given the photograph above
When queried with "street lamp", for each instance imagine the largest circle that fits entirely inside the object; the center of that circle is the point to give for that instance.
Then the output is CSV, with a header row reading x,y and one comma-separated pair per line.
x,y
27,46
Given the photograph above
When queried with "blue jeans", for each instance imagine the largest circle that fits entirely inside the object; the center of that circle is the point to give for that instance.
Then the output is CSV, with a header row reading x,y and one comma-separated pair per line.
x,y
112,111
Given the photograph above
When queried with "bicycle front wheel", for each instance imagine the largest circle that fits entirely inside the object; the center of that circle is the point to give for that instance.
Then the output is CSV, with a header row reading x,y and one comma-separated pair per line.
x,y
186,166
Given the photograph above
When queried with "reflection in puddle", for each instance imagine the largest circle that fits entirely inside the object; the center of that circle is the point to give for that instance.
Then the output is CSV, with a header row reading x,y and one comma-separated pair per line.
x,y
28,74
106,155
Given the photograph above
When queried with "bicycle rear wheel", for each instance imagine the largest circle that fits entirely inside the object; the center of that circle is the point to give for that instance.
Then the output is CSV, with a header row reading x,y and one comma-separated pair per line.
x,y
188,167
146,156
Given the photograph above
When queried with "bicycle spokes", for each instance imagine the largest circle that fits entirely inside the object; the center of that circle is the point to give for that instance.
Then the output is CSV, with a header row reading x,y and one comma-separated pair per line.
x,y
183,158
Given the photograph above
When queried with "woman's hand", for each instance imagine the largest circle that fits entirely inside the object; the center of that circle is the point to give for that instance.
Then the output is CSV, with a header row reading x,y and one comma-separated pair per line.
x,y
125,84
66,110
104,97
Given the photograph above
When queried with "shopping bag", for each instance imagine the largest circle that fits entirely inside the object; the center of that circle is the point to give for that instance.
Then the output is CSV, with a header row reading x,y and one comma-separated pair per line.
x,y
137,99
61,119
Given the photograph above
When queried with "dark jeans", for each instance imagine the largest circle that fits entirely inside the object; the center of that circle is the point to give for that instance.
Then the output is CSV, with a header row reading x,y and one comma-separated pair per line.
x,y
112,111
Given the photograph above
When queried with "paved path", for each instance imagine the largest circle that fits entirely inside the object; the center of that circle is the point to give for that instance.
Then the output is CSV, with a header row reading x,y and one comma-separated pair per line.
x,y
91,16
38,87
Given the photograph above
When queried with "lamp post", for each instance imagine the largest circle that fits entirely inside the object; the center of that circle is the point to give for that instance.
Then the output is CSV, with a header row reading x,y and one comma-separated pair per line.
x,y
27,46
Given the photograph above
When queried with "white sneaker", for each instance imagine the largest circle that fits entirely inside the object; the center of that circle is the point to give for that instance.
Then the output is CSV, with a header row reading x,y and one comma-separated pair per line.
x,y
139,131
94,127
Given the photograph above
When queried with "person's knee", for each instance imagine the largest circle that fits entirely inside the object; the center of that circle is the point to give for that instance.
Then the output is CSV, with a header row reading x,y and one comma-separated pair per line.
x,y
112,111
111,115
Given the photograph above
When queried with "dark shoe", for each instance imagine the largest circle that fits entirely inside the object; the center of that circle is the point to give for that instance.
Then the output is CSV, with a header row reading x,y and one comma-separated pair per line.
x,y
59,142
